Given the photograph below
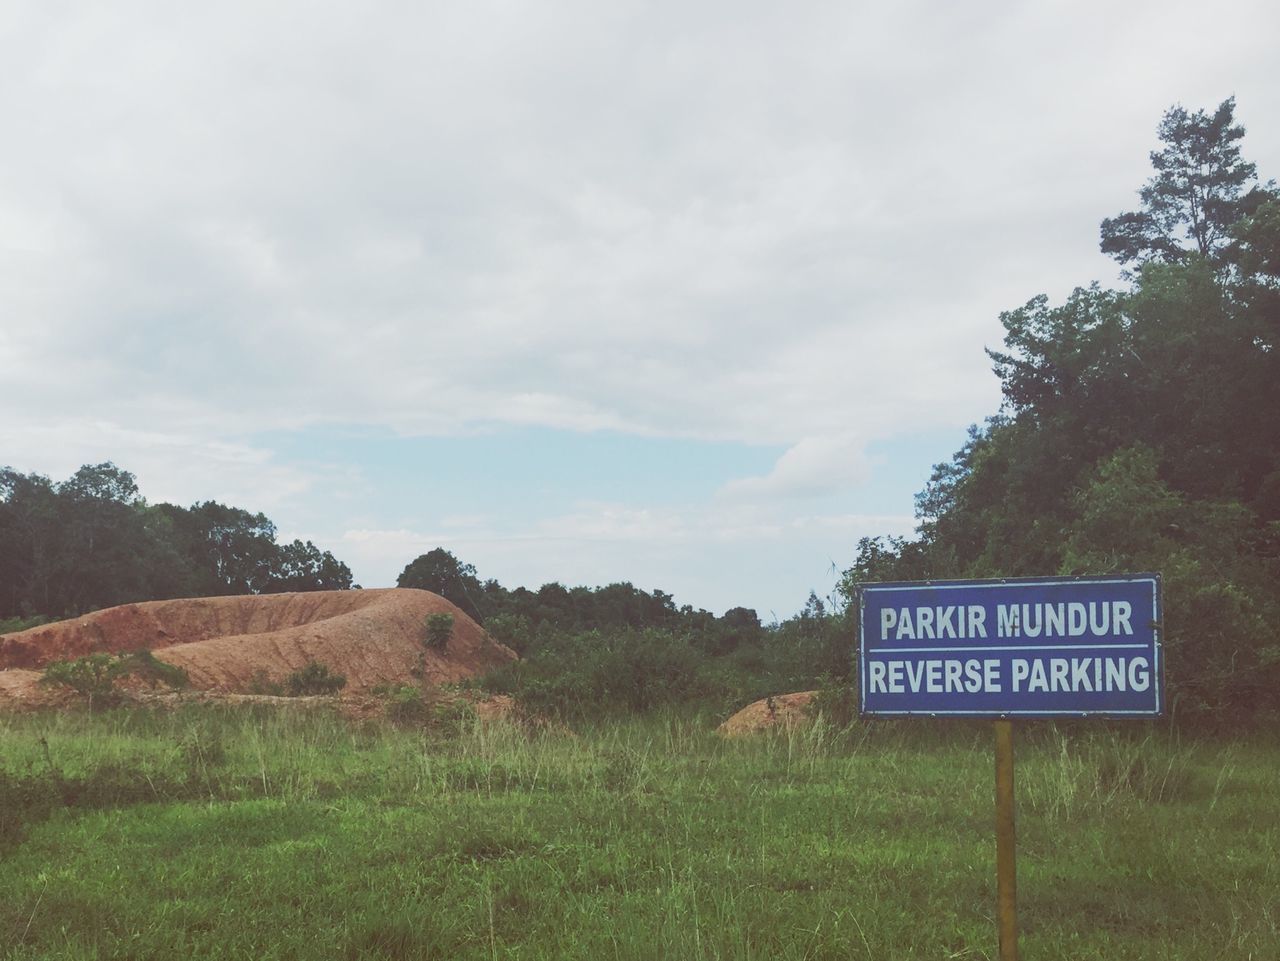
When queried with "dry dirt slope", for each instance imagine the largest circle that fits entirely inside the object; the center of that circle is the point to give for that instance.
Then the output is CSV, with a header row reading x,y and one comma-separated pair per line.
x,y
370,636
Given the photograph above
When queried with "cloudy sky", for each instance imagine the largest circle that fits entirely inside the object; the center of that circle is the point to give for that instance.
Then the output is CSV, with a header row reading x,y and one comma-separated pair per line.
x,y
687,294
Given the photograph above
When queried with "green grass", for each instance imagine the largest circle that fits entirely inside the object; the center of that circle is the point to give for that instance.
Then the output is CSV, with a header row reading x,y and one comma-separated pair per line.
x,y
212,833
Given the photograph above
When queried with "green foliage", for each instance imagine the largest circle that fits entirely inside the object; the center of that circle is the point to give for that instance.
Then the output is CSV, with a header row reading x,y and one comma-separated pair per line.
x,y
147,667
594,674
93,676
96,676
91,541
1139,433
441,573
262,683
454,715
1195,195
313,678
13,625
836,701
513,630
437,631
404,703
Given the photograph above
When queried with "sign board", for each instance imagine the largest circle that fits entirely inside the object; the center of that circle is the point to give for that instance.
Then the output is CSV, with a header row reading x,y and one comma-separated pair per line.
x,y
1024,647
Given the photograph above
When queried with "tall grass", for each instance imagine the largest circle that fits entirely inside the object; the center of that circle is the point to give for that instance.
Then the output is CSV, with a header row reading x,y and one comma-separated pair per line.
x,y
212,832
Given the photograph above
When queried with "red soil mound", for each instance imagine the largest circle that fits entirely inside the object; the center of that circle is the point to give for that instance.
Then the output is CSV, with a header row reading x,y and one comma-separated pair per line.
x,y
781,710
226,643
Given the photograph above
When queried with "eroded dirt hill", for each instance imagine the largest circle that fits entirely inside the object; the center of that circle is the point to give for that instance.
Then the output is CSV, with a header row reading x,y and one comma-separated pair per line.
x,y
225,643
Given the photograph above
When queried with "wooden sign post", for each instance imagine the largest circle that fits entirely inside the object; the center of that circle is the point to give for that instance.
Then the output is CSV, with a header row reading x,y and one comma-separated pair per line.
x,y
1006,859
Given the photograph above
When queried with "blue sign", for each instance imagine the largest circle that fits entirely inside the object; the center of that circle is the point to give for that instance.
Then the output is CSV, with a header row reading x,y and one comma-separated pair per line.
x,y
1026,647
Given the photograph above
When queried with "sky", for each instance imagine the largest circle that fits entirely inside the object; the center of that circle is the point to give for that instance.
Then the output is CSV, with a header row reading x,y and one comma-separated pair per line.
x,y
691,295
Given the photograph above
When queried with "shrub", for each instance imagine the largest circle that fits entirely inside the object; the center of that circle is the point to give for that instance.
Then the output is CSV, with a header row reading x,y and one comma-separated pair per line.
x,y
439,628
14,625
261,683
454,715
404,702
593,675
93,676
145,665
313,678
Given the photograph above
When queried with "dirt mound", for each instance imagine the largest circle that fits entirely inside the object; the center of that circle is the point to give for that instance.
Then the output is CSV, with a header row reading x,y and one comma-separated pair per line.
x,y
781,710
233,643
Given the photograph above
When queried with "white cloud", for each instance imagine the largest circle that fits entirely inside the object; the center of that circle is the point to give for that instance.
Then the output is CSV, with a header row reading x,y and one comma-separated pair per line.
x,y
170,467
735,221
814,466
749,222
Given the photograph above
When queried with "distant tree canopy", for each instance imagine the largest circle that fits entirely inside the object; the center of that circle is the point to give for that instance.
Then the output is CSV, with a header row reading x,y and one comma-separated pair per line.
x,y
91,541
1140,428
586,648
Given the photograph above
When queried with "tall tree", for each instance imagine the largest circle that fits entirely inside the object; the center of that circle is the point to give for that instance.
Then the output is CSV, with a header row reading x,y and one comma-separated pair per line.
x,y
1196,193
1138,430
441,573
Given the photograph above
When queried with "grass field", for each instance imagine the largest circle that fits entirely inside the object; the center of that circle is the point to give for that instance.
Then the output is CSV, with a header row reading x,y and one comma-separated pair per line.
x,y
208,833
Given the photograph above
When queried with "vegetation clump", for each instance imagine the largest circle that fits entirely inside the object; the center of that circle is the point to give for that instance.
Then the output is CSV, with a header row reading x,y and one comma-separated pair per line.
x,y
438,630
403,702
313,678
92,677
96,677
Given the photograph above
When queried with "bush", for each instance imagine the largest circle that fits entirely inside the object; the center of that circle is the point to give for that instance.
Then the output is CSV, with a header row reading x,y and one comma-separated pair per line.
x,y
93,676
594,675
145,665
313,678
404,703
14,625
438,630
261,683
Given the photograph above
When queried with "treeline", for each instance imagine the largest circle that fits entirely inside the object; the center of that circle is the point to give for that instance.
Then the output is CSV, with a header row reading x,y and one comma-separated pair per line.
x,y
1140,429
618,649
92,541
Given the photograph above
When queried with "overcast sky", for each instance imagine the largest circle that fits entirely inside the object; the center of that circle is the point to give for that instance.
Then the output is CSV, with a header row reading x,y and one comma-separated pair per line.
x,y
687,294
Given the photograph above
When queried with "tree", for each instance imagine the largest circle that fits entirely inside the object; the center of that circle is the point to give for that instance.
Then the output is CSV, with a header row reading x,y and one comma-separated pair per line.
x,y
1138,430
441,573
301,566
233,549
1196,194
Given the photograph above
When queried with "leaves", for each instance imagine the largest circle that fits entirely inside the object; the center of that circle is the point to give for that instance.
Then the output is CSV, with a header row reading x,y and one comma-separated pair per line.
x,y
1195,195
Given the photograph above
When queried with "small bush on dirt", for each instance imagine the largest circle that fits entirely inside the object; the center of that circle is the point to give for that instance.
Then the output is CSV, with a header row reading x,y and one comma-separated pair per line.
x,y
261,683
93,676
438,630
146,666
313,678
